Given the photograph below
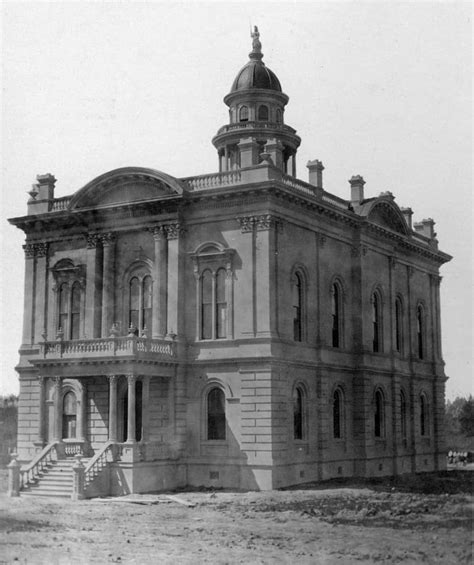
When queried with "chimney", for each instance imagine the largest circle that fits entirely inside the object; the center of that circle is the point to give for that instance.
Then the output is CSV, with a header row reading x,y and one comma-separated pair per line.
x,y
357,189
407,214
426,228
45,186
315,169
41,194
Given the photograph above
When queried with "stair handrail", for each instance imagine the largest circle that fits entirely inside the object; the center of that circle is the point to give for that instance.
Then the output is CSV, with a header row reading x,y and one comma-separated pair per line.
x,y
98,462
29,472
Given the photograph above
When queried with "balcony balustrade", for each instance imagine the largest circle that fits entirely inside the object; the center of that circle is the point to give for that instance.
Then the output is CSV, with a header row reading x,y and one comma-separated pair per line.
x,y
130,346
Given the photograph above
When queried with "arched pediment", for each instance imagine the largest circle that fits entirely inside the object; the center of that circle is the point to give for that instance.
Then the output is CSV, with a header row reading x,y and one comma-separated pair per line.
x,y
128,184
384,212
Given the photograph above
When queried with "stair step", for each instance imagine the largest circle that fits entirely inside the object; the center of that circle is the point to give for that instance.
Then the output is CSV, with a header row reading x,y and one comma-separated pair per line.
x,y
49,494
54,480
53,483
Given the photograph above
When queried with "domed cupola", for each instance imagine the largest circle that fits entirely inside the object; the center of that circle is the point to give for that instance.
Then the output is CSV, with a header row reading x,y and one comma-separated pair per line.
x,y
256,110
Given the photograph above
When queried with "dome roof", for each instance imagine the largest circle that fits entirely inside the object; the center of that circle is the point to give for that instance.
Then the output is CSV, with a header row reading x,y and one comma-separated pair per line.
x,y
256,75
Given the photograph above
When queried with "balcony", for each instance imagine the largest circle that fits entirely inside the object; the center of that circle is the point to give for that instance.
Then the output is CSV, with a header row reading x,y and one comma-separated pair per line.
x,y
126,348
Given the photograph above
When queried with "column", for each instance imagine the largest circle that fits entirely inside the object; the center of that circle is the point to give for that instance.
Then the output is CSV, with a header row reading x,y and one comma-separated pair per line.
x,y
145,407
113,379
28,294
108,244
131,420
93,286
41,406
160,283
173,232
41,288
58,432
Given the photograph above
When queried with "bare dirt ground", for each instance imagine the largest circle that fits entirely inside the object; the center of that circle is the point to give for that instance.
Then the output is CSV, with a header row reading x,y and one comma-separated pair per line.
x,y
411,519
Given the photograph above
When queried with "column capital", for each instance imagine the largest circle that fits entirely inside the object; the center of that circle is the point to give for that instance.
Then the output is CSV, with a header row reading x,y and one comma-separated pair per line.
x,y
107,239
93,240
113,379
267,221
57,381
41,249
131,379
174,231
246,223
29,249
159,233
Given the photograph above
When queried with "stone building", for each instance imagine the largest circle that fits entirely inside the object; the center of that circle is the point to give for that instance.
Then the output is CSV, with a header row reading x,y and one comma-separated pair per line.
x,y
243,328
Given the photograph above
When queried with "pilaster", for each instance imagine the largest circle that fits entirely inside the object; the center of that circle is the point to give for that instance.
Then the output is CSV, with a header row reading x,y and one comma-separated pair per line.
x,y
29,294
173,232
57,381
93,287
41,290
108,244
160,290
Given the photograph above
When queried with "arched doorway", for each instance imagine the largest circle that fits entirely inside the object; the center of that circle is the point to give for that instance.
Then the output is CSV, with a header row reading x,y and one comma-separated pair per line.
x,y
69,423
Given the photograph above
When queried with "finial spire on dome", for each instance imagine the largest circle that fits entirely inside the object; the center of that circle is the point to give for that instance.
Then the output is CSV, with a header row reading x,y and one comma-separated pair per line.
x,y
256,45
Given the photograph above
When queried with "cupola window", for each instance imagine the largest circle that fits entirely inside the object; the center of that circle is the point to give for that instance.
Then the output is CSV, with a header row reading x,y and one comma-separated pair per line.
x,y
263,113
243,114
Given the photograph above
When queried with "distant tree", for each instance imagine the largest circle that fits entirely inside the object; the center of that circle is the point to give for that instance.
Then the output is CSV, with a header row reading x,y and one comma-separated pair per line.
x,y
8,425
466,417
452,413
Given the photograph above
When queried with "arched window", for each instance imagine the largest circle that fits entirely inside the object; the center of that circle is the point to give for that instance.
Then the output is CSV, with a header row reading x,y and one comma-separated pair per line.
x,y
403,415
376,323
298,413
140,304
420,331
63,308
221,305
278,116
216,414
336,315
263,113
297,304
69,415
379,416
398,325
243,114
423,415
337,414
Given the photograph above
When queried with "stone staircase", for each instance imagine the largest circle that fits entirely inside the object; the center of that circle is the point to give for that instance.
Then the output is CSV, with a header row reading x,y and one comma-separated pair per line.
x,y
56,480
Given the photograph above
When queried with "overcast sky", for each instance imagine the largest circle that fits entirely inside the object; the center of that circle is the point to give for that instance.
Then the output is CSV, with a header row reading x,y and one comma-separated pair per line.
x,y
379,89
